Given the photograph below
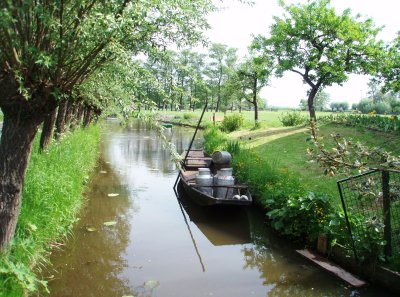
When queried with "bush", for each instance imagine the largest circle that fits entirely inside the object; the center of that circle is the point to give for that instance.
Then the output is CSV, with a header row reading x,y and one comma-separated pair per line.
x,y
292,118
188,116
214,140
232,122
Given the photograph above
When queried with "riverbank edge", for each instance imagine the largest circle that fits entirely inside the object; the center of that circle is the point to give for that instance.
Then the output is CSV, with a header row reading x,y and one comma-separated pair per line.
x,y
373,273
61,174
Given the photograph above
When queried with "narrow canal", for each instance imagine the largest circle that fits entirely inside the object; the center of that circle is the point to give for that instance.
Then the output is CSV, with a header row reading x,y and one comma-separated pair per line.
x,y
134,239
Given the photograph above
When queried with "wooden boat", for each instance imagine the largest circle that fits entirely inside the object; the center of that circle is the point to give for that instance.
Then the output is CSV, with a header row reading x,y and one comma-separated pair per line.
x,y
199,159
221,226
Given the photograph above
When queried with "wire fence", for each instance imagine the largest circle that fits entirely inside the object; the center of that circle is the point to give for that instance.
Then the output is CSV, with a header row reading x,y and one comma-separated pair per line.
x,y
371,202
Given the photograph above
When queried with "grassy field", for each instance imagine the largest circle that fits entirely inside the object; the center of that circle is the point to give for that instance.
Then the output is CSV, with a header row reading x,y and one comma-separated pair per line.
x,y
267,119
287,148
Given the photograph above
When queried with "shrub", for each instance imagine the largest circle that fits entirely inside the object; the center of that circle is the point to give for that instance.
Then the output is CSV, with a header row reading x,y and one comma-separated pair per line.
x,y
214,140
292,118
188,116
232,122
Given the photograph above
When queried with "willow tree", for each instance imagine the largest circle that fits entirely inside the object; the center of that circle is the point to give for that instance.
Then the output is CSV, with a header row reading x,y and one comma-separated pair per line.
x,y
321,46
48,48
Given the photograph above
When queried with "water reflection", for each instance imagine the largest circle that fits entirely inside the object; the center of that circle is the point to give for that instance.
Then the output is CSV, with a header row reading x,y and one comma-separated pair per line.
x,y
220,225
94,264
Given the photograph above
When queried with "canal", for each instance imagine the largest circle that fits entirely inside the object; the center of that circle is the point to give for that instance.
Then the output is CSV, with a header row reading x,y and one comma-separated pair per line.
x,y
135,239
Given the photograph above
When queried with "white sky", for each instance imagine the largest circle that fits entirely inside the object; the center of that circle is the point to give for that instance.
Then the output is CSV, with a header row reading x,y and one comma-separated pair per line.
x,y
235,25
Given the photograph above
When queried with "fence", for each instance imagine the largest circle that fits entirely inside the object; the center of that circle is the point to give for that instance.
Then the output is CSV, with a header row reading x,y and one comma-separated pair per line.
x,y
373,200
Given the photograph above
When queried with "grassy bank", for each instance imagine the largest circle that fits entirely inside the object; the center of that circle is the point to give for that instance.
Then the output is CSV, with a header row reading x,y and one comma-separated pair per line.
x,y
52,198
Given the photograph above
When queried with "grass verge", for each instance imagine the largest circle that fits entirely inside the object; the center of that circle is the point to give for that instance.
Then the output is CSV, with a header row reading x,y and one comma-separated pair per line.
x,y
52,198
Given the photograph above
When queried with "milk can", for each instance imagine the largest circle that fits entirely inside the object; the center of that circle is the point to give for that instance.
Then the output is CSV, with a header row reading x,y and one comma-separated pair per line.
x,y
204,178
222,157
225,178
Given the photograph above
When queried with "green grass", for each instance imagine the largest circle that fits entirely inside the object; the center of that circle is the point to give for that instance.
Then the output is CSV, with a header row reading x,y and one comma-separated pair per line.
x,y
286,147
52,198
267,119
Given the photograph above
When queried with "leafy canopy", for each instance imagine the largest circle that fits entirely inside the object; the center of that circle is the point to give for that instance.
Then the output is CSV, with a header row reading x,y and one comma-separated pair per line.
x,y
321,45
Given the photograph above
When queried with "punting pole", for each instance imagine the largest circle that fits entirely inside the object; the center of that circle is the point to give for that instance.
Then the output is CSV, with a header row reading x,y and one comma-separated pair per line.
x,y
191,143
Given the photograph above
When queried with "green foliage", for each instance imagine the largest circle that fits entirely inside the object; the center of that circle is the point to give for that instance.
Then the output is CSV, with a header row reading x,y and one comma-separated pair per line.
x,y
372,121
214,139
292,118
321,46
52,195
233,146
232,122
339,106
368,106
368,241
305,216
188,116
292,210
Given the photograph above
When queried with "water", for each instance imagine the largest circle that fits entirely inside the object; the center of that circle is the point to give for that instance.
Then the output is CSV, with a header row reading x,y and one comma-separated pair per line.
x,y
153,246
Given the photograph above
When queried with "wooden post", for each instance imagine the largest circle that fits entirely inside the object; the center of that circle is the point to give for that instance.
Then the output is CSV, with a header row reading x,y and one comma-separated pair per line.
x,y
387,232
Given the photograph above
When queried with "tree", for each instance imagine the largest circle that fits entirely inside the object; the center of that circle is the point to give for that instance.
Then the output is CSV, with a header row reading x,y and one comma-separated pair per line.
x,y
321,46
321,101
49,48
254,74
339,106
390,68
222,59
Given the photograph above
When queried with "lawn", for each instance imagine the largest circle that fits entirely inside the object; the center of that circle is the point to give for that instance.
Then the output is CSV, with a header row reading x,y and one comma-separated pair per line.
x,y
287,148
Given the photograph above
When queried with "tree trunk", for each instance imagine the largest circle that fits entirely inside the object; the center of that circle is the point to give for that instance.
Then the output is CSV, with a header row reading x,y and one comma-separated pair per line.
x,y
79,117
74,116
15,147
87,117
62,108
68,115
310,103
21,121
48,129
255,102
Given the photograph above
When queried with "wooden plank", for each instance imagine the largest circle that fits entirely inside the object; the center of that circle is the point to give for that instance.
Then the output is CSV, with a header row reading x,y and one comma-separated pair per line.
x,y
332,268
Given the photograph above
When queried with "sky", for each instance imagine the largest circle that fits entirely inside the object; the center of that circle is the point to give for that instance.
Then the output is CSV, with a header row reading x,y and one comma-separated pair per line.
x,y
236,23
